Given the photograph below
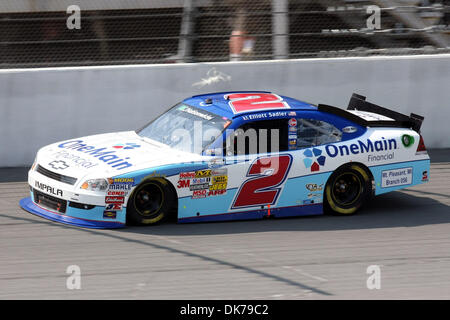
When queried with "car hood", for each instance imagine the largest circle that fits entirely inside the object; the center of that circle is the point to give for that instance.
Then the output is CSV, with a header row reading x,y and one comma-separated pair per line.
x,y
108,155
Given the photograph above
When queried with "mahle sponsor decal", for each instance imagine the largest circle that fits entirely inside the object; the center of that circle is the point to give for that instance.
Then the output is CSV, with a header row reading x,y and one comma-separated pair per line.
x,y
364,147
103,154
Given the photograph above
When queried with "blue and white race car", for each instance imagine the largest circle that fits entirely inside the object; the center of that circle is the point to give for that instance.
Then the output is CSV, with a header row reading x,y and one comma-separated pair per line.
x,y
227,156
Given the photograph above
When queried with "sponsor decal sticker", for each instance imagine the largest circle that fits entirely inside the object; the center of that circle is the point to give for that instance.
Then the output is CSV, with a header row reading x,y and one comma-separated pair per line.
x,y
202,186
197,194
113,207
114,199
116,193
103,154
203,173
126,146
314,187
360,146
407,140
196,113
313,159
349,129
396,177
425,176
109,214
120,184
75,160
292,122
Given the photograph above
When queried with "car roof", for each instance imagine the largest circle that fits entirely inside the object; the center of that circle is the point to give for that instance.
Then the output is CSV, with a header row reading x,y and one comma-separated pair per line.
x,y
218,104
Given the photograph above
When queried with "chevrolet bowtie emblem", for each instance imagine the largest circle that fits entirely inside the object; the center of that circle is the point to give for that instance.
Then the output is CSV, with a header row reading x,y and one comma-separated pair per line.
x,y
58,164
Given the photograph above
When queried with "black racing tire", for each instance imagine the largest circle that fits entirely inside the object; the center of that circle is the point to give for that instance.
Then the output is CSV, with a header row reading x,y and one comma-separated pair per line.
x,y
151,202
347,190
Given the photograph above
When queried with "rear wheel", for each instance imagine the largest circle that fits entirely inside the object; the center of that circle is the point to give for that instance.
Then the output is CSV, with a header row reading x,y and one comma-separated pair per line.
x,y
151,202
347,190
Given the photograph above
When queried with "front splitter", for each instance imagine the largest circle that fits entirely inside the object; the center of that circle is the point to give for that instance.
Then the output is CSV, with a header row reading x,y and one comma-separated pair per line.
x,y
28,205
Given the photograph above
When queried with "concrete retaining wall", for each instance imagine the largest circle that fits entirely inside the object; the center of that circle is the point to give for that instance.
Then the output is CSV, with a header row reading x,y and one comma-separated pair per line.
x,y
42,106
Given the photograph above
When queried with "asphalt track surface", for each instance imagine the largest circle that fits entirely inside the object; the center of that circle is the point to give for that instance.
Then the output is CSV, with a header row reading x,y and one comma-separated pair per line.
x,y
406,233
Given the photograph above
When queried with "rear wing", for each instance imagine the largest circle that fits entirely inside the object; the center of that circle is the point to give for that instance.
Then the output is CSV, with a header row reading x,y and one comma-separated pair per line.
x,y
381,117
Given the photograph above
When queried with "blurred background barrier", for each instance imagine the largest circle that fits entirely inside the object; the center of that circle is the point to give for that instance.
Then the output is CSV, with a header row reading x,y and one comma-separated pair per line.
x,y
41,33
41,106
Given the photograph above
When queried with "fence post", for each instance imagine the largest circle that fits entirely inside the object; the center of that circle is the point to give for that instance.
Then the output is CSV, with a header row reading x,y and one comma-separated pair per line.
x,y
186,36
280,29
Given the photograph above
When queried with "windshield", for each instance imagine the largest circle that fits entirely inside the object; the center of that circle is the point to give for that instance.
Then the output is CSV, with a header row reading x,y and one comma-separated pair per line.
x,y
185,128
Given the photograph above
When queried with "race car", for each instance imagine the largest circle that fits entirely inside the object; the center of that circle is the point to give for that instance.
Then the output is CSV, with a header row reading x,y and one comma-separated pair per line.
x,y
230,156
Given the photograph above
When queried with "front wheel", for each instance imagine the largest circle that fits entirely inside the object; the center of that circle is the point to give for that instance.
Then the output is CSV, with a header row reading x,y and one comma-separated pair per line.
x,y
347,190
150,203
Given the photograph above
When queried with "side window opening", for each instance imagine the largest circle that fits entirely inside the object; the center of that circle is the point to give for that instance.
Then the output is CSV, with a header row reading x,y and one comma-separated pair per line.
x,y
256,137
312,132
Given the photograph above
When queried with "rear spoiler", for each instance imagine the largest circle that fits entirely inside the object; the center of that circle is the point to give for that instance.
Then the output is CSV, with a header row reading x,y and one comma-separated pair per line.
x,y
359,103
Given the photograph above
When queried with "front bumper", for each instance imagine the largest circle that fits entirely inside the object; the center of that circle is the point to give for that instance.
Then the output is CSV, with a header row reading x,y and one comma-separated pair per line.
x,y
28,205
62,202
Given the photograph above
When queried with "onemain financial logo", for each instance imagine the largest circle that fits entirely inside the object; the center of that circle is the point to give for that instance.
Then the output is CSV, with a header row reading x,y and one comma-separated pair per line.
x,y
103,154
364,147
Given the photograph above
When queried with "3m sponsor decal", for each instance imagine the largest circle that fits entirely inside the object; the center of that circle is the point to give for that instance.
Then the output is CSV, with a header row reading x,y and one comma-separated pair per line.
x,y
103,154
185,183
396,177
48,189
114,199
